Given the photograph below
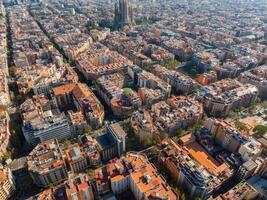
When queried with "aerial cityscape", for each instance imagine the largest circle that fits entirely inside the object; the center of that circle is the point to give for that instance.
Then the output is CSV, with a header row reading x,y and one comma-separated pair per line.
x,y
133,100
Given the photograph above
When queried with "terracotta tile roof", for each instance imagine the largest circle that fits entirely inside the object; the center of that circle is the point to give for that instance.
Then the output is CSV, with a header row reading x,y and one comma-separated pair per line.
x,y
64,89
2,176
201,156
83,186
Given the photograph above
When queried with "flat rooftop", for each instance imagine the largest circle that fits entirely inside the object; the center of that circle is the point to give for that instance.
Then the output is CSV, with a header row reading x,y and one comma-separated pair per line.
x,y
105,141
260,184
202,156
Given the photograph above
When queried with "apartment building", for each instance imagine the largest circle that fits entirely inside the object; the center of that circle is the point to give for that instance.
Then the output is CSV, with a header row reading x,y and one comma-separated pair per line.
x,y
120,136
207,78
100,35
152,89
250,150
157,54
205,60
73,44
42,121
116,90
133,172
110,86
225,135
75,158
113,143
257,77
83,99
99,60
124,105
46,164
143,125
221,97
75,187
166,116
179,82
7,183
91,149
77,121
239,192
229,69
256,166
79,188
192,168
183,49
4,131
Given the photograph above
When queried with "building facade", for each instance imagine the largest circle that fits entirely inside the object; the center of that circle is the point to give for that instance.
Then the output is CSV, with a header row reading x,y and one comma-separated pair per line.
x,y
46,165
7,183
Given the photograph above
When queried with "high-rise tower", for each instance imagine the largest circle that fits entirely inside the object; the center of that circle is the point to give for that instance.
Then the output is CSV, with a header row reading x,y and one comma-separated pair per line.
x,y
123,13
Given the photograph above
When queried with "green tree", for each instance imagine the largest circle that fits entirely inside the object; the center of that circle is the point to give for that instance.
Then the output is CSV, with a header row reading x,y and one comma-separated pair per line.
x,y
66,143
232,114
260,129
180,132
147,142
18,97
91,173
87,129
148,52
172,65
164,136
264,104
156,140
148,67
241,126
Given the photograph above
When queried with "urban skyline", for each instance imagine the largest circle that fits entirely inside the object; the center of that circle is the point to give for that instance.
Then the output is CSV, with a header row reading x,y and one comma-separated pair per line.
x,y
133,99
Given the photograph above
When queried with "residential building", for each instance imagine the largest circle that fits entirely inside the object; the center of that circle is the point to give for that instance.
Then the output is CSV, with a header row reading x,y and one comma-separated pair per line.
x,y
183,49
166,116
205,60
257,77
221,97
83,99
152,89
133,172
259,184
77,121
250,150
120,137
239,192
75,187
225,135
79,188
99,60
116,91
46,164
42,121
91,149
112,143
4,131
181,83
207,78
99,35
252,167
75,158
192,168
7,183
